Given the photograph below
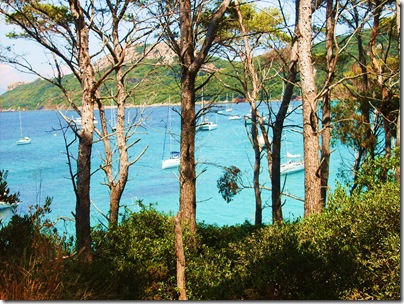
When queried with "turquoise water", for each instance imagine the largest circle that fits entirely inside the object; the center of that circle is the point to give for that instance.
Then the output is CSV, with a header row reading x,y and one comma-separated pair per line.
x,y
40,169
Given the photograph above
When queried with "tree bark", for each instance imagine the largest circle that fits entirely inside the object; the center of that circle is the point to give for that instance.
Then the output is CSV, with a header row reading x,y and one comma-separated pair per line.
x,y
277,216
190,65
82,215
312,181
252,79
326,111
179,251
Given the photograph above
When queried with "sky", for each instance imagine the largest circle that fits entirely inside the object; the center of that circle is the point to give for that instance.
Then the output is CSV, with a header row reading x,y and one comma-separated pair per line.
x,y
36,55
28,49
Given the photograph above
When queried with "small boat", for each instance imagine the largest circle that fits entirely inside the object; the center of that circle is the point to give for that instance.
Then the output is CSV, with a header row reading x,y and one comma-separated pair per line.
x,y
24,140
77,121
207,125
234,117
292,166
174,160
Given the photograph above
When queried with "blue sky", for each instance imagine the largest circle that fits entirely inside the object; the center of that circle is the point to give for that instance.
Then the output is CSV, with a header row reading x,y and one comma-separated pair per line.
x,y
28,49
37,57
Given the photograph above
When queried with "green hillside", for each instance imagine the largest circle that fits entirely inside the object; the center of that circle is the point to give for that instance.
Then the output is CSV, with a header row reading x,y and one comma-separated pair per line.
x,y
154,84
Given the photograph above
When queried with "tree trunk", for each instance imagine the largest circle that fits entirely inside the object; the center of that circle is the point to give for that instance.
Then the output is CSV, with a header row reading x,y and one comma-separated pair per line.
x,y
310,125
277,216
82,216
187,154
257,165
179,252
326,111
190,65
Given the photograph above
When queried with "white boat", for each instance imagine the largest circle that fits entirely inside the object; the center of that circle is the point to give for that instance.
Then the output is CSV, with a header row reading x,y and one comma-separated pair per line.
x,y
174,159
77,121
24,140
292,166
206,125
172,162
234,117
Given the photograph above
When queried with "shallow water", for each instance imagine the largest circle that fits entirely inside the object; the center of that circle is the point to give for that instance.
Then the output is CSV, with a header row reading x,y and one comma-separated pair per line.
x,y
40,169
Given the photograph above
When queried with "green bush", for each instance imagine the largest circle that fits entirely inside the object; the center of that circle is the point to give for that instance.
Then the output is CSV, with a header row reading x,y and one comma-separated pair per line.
x,y
137,259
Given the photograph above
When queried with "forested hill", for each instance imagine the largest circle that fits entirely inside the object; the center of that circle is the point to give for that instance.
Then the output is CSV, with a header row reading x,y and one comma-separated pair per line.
x,y
155,83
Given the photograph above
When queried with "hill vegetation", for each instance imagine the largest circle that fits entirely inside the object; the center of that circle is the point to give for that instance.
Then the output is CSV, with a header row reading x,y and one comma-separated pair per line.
x,y
157,82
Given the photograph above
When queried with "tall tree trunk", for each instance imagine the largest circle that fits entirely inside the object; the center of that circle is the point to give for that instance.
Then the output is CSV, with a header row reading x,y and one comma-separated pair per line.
x,y
179,251
190,65
277,216
82,215
187,154
312,182
326,111
117,187
257,165
252,79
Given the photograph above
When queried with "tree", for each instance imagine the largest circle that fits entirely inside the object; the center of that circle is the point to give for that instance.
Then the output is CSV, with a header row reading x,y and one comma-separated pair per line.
x,y
192,48
65,32
248,31
309,101
371,85
119,46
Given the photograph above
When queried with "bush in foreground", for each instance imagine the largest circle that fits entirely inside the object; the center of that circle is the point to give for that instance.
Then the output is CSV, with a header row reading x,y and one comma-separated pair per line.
x,y
350,251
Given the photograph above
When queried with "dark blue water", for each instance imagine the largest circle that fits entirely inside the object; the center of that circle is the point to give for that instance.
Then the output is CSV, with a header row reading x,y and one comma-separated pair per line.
x,y
40,169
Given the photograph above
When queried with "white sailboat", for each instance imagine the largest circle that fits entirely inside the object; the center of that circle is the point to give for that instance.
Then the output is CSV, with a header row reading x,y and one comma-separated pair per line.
x,y
206,125
24,140
292,166
174,158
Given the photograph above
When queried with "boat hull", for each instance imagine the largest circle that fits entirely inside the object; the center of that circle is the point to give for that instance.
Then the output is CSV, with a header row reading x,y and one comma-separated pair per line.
x,y
24,141
208,126
292,167
170,163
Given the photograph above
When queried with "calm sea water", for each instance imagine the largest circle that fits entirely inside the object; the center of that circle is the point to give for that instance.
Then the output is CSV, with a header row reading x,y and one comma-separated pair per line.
x,y
40,169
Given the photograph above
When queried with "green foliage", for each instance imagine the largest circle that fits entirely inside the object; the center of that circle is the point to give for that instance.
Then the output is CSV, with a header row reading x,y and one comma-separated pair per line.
x,y
228,183
5,195
349,251
32,265
138,258
380,170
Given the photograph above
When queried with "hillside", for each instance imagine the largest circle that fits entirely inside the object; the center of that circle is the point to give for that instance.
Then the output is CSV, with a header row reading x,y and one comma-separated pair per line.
x,y
158,78
154,84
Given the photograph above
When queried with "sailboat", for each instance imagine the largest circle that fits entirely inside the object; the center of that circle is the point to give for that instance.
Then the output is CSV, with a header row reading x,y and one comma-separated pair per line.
x,y
206,125
174,158
292,166
24,140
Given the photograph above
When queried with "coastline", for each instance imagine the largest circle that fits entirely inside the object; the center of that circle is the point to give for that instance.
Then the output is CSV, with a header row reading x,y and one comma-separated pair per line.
x,y
106,107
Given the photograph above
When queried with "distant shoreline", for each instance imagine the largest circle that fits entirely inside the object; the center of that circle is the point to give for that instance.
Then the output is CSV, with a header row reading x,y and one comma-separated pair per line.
x,y
129,106
107,107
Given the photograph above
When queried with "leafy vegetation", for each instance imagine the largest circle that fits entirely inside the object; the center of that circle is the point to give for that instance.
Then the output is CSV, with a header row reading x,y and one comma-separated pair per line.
x,y
350,251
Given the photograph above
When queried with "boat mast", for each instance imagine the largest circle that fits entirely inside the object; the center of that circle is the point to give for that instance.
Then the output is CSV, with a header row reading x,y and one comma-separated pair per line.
x,y
20,124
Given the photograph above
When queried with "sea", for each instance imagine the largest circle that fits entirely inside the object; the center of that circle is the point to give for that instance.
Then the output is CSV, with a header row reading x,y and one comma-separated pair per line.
x,y
40,169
